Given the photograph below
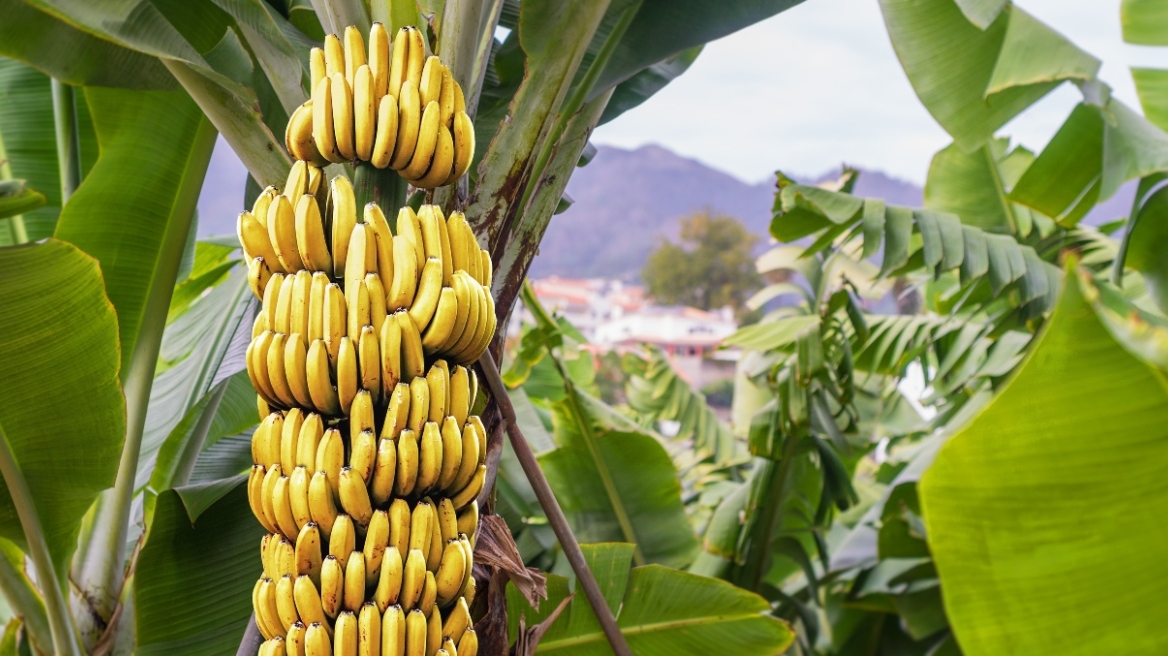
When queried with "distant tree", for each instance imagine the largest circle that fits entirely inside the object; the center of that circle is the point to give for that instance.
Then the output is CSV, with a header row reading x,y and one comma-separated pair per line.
x,y
712,267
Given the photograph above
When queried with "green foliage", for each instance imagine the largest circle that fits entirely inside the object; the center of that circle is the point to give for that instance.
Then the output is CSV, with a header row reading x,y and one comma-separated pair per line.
x,y
712,267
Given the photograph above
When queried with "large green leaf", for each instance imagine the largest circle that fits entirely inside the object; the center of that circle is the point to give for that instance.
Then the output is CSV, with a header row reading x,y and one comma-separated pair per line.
x,y
195,574
71,55
974,80
62,410
1053,494
1152,87
660,611
638,88
134,209
664,29
1145,22
615,481
976,185
29,143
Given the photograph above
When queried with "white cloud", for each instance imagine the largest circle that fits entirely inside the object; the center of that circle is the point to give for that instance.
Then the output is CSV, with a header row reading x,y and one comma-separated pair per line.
x,y
820,84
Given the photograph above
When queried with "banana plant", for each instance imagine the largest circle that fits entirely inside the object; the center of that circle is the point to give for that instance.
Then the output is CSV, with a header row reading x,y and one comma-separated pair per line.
x,y
113,114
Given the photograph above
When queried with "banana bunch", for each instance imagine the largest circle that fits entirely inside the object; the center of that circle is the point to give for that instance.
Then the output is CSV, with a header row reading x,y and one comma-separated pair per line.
x,y
391,106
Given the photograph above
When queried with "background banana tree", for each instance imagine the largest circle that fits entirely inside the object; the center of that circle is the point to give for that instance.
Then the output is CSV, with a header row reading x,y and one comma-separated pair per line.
x,y
123,517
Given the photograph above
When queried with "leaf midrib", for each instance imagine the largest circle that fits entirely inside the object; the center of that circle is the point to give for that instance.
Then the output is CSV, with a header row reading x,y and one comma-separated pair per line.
x,y
596,636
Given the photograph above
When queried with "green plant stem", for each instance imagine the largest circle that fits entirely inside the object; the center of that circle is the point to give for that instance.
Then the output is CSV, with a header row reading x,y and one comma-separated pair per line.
x,y
482,55
336,15
60,622
68,144
15,223
24,600
775,487
551,507
575,102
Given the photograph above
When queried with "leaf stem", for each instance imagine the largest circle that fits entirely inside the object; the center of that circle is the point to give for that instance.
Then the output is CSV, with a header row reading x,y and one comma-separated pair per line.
x,y
551,507
60,622
15,223
68,144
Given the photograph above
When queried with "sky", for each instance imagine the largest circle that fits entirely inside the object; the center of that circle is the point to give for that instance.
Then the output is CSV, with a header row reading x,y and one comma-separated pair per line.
x,y
804,91
819,84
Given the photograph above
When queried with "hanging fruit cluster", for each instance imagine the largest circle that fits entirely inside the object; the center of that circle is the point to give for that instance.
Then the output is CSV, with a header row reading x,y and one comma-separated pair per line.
x,y
368,458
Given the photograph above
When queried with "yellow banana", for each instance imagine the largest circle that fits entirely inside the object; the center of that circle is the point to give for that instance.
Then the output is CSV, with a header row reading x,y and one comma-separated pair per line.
x,y
389,579
399,526
285,604
364,113
308,551
258,275
263,201
413,580
258,363
460,249
449,578
434,635
259,443
426,143
297,181
429,595
376,542
439,384
464,146
298,309
384,470
459,394
335,318
267,614
342,99
377,312
311,433
282,508
404,285
433,228
468,587
254,238
488,268
364,454
444,244
298,136
413,358
430,86
471,490
468,463
294,641
357,301
422,526
434,555
320,386
409,226
441,165
320,281
419,404
369,361
390,350
446,98
451,453
379,59
430,457
343,540
259,324
344,218
417,56
354,53
466,291
272,299
354,594
334,55
398,413
416,633
362,255
447,520
316,641
409,122
382,238
369,631
322,121
283,313
276,375
282,233
255,494
481,434
330,457
443,322
317,68
321,505
284,554
361,417
387,128
308,602
406,476
459,99
469,644
347,375
399,59
355,497
310,239
298,500
429,292
296,369
393,632
457,621
487,331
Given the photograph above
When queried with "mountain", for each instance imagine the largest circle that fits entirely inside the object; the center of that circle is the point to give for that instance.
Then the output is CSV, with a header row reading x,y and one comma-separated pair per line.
x,y
625,201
